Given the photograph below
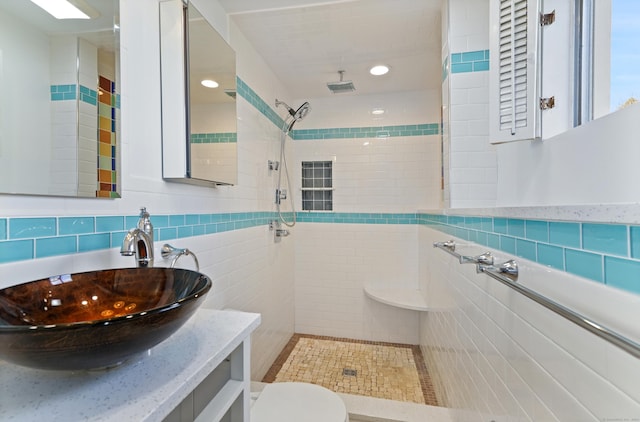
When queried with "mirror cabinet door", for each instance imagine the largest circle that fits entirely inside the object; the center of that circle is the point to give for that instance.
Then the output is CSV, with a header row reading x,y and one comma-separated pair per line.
x,y
199,133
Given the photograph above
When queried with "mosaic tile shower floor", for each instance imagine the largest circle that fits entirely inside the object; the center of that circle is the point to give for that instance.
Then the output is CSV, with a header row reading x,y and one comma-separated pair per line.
x,y
374,369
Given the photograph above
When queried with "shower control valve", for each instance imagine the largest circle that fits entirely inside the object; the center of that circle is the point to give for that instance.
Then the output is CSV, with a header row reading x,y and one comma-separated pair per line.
x,y
273,165
280,195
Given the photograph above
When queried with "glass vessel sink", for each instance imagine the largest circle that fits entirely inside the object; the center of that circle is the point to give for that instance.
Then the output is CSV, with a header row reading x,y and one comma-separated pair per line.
x,y
97,319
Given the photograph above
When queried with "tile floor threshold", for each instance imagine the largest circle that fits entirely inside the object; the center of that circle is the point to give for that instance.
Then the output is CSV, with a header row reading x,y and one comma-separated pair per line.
x,y
391,371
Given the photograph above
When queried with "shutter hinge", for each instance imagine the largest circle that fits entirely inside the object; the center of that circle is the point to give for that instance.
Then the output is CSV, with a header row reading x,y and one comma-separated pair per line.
x,y
547,18
547,103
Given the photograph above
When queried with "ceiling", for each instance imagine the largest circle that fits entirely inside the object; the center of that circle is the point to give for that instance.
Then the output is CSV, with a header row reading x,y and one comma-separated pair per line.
x,y
99,30
306,42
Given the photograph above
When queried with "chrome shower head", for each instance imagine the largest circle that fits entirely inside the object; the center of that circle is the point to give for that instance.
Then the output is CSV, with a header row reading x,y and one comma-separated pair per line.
x,y
295,115
302,111
341,85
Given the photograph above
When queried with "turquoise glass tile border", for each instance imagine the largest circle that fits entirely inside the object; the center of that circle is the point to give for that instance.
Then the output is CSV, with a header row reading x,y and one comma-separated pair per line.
x,y
62,92
69,92
40,237
214,138
471,61
263,107
367,132
605,253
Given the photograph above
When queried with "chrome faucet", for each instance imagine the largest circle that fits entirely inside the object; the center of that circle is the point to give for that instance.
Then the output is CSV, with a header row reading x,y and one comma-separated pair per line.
x,y
139,241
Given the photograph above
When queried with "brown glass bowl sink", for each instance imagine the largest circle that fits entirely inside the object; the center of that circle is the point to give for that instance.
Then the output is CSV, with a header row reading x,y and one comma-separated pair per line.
x,y
96,319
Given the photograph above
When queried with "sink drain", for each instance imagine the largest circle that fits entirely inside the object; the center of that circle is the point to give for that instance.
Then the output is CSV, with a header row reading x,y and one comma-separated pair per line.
x,y
349,372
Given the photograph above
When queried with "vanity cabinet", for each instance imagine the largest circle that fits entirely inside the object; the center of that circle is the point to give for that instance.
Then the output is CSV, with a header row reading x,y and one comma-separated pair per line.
x,y
200,373
223,394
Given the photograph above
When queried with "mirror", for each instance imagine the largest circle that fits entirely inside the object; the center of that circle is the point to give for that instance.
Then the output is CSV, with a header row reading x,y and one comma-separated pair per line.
x,y
59,101
202,148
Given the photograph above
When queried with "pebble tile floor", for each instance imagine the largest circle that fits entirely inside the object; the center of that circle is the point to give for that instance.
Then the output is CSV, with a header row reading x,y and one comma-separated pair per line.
x,y
375,369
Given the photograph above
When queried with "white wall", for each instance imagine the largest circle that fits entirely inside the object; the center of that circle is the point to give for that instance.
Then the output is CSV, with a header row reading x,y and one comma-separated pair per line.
x,y
595,163
471,158
334,262
499,356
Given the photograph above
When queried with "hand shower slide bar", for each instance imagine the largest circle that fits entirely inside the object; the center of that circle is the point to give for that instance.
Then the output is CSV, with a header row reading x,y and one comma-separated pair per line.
x,y
505,274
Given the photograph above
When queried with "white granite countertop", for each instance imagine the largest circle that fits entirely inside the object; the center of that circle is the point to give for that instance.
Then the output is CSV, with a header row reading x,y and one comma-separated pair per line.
x,y
146,388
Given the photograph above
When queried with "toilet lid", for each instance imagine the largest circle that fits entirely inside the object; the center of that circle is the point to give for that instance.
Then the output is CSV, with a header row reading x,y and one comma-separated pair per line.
x,y
298,401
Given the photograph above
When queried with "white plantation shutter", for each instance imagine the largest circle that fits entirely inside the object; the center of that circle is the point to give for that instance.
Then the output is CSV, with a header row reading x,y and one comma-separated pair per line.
x,y
514,80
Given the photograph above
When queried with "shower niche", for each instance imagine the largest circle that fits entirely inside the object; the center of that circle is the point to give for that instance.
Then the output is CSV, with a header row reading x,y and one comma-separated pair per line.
x,y
198,67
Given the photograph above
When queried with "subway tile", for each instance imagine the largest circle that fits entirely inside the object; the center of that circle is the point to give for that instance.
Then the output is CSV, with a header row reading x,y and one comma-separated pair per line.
x,y
167,233
176,220
53,246
508,244
21,228
537,230
565,234
192,219
461,67
607,238
552,256
3,228
526,249
75,225
185,231
500,225
481,66
473,56
486,224
493,241
92,242
109,224
16,250
515,227
622,273
584,264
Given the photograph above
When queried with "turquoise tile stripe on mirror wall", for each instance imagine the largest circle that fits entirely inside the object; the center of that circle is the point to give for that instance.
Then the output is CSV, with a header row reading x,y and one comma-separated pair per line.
x,y
605,253
244,91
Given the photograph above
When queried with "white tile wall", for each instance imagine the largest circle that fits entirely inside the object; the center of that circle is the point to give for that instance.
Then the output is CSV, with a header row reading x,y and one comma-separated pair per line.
x,y
501,355
333,263
472,167
377,174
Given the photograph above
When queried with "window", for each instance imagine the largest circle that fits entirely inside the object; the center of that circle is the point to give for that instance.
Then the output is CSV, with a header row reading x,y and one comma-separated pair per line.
x,y
317,186
557,64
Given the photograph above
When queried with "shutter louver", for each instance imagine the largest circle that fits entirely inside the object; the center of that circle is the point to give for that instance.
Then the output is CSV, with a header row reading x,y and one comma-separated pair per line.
x,y
514,71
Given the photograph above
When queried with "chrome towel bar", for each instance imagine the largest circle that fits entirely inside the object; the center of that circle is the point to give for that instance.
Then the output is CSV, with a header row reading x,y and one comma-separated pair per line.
x,y
507,274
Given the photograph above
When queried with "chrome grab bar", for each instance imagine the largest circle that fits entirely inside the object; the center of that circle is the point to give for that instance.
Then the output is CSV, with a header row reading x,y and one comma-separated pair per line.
x,y
507,270
507,274
484,259
449,246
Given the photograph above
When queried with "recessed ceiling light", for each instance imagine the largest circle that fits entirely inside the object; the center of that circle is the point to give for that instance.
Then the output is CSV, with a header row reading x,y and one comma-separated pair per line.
x,y
209,83
377,111
379,70
61,9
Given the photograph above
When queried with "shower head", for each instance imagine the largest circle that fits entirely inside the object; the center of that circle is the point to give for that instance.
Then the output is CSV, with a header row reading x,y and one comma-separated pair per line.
x,y
302,111
342,85
295,115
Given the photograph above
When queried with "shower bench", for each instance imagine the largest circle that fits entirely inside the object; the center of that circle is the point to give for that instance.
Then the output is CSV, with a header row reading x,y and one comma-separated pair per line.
x,y
400,297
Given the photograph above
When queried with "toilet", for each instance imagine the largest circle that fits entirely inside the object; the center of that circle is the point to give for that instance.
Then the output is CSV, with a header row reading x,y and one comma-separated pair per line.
x,y
298,401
